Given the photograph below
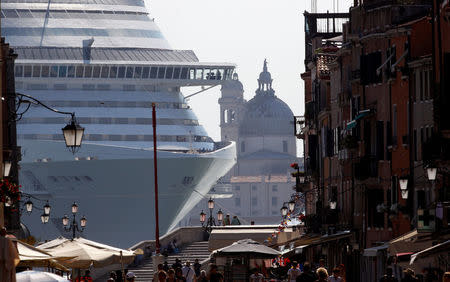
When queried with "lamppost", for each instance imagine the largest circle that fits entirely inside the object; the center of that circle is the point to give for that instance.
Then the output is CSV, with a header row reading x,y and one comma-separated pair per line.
x,y
210,222
73,132
74,226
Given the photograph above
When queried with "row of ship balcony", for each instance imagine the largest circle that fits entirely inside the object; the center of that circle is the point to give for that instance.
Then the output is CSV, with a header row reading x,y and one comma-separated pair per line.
x,y
124,72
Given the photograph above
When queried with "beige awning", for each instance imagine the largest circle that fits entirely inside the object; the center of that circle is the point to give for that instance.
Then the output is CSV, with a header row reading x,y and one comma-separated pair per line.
x,y
34,257
86,253
412,241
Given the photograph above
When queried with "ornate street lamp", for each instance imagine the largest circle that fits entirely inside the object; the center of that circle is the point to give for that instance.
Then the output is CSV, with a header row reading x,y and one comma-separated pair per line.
x,y
284,211
74,208
211,204
333,204
220,217
6,168
209,222
403,182
74,226
29,206
431,173
291,205
73,135
47,208
44,218
73,132
202,217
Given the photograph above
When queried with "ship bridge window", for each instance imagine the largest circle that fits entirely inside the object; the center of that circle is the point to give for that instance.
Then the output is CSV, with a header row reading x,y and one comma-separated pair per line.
x,y
113,72
19,71
198,73
153,72
71,71
207,74
24,13
105,72
62,71
45,71
10,13
129,72
36,71
192,74
220,74
169,72
161,72
96,72
27,71
145,72
121,72
176,73
137,72
88,71
79,71
184,73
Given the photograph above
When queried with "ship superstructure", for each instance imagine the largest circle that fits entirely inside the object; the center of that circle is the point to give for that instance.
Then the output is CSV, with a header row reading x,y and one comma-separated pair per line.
x,y
107,61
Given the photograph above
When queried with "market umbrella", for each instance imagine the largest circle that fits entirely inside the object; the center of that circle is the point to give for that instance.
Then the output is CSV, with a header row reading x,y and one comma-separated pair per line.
x,y
247,246
31,256
38,276
86,253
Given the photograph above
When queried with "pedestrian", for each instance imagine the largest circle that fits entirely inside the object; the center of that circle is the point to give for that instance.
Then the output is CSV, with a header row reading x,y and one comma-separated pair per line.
x,y
214,275
342,272
171,275
179,275
113,276
322,264
256,276
177,264
165,266
227,221
322,273
235,221
388,277
409,276
307,275
202,277
130,276
188,272
446,277
293,272
396,269
87,277
197,267
335,277
156,275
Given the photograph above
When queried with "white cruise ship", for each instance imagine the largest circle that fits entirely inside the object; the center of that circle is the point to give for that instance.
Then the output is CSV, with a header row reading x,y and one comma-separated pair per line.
x,y
107,61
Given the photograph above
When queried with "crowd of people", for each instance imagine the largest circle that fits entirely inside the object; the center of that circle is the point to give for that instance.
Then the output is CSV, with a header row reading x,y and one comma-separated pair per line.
x,y
305,273
186,273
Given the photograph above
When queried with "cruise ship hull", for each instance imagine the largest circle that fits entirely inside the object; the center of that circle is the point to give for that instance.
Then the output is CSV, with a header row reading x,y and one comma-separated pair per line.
x,y
115,188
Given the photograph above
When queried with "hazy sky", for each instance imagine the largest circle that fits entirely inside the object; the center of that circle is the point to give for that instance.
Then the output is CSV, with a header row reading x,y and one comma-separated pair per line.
x,y
244,32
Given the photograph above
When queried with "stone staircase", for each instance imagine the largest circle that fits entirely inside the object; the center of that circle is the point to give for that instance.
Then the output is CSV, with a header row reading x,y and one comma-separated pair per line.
x,y
192,251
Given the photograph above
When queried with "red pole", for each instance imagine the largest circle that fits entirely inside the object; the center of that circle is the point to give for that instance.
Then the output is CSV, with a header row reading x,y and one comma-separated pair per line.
x,y
156,179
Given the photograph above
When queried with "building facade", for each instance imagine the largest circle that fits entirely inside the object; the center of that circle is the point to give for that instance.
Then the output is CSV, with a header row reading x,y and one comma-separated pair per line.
x,y
373,119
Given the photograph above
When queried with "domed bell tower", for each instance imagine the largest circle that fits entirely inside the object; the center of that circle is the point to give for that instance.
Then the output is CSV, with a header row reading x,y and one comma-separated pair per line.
x,y
231,108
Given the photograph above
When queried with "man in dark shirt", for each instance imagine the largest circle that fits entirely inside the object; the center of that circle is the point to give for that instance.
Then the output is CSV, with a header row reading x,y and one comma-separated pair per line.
x,y
197,268
307,275
214,275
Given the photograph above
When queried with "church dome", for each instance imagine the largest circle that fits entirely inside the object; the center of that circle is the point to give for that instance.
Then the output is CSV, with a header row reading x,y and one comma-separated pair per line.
x,y
267,115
